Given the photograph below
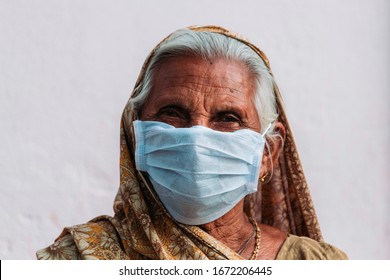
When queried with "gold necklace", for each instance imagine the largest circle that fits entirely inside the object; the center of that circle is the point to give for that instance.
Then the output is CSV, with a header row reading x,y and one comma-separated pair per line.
x,y
258,238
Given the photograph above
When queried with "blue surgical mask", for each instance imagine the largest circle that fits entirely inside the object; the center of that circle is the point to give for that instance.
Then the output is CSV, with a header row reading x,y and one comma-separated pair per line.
x,y
198,173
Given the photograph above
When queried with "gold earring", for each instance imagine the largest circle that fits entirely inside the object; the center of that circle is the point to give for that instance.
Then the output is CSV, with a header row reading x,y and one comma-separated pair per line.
x,y
264,177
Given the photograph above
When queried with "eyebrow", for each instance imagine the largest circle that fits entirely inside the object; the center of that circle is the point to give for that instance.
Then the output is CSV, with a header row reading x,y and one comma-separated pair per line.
x,y
171,100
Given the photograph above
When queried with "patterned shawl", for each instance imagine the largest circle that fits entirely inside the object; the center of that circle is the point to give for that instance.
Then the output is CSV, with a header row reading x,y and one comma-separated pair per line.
x,y
142,228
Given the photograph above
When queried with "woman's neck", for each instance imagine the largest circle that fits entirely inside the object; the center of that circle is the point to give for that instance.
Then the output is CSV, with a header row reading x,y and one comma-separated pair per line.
x,y
233,229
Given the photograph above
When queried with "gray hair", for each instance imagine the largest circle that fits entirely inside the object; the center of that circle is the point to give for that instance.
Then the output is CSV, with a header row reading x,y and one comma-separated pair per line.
x,y
209,45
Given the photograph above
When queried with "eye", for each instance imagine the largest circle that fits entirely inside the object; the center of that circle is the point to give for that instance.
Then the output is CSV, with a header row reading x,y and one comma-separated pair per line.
x,y
173,115
229,118
227,121
170,112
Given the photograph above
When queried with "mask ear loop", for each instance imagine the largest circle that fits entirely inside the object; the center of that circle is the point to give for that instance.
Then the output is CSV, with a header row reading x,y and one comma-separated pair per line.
x,y
262,179
268,127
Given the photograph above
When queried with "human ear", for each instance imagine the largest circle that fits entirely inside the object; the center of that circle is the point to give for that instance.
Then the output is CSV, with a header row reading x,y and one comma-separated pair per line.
x,y
273,149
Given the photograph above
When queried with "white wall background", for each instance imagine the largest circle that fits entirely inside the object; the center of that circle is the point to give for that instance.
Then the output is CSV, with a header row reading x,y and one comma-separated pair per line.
x,y
67,68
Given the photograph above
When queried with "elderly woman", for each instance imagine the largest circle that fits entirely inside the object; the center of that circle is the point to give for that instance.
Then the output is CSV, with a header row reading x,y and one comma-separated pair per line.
x,y
209,168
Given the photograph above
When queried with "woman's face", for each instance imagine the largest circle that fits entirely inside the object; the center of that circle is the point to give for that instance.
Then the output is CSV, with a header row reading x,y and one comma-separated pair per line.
x,y
189,91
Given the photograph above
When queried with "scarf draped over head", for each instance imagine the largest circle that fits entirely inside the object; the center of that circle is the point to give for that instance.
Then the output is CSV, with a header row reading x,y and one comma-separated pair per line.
x,y
143,229
148,231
